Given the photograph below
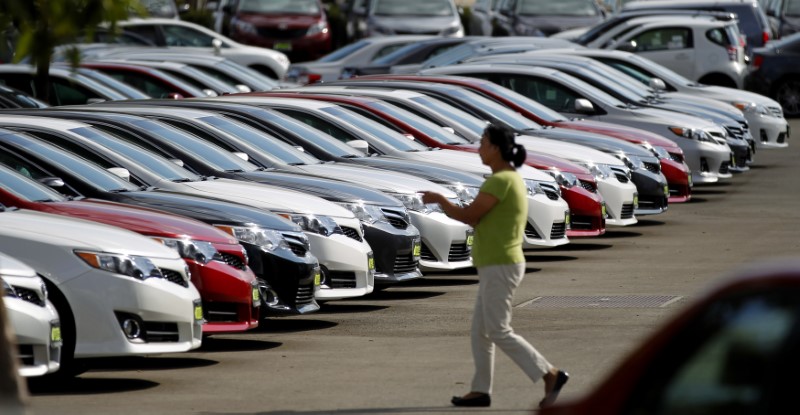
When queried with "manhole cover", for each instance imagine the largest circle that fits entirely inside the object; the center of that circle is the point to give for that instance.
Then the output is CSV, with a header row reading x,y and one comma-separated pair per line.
x,y
601,301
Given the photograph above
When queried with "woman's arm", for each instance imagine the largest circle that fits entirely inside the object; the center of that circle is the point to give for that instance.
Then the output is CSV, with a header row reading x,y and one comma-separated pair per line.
x,y
470,214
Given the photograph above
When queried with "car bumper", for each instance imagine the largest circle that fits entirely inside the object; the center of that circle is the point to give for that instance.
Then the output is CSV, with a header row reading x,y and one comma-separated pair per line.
x,y
286,280
768,130
394,252
446,244
33,326
547,222
653,192
679,180
165,310
586,212
227,295
345,264
620,201
709,162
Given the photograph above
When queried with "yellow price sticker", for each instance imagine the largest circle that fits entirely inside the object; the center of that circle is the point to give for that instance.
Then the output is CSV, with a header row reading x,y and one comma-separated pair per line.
x,y
256,295
371,263
198,312
469,240
603,210
417,249
689,179
55,334
636,200
666,190
317,278
566,218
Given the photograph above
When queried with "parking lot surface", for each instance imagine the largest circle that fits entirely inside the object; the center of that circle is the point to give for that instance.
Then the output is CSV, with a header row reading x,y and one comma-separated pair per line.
x,y
406,350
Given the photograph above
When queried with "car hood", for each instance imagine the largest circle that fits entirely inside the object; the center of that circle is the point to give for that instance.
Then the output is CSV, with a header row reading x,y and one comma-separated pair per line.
x,y
210,211
725,94
552,144
471,162
549,25
671,118
331,187
79,234
10,267
142,221
429,171
415,24
387,181
267,197
631,134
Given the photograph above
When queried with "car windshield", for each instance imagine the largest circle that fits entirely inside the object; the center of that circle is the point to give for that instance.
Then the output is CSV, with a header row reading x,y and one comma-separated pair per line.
x,y
376,131
666,74
412,8
504,114
281,153
793,8
23,187
451,56
158,166
21,99
558,8
426,127
453,114
95,86
523,102
113,83
620,86
279,6
344,52
308,134
76,166
582,88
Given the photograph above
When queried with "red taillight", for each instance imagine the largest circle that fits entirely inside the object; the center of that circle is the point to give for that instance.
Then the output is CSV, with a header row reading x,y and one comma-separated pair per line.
x,y
765,36
757,61
314,78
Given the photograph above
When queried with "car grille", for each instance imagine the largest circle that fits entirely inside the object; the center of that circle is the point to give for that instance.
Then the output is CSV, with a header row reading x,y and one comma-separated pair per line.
x,y
396,218
459,252
725,167
581,223
550,190
558,231
29,296
776,111
622,177
589,186
654,202
653,167
404,264
158,332
297,243
409,32
174,276
26,354
351,233
341,279
220,312
275,33
530,232
781,137
233,260
305,295
627,211
735,132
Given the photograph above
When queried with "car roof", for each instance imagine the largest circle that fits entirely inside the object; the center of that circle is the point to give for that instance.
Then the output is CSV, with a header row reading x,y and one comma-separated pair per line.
x,y
676,4
49,122
307,103
399,93
183,112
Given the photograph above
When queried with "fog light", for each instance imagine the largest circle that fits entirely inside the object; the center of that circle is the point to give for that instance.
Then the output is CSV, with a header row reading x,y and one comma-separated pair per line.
x,y
131,328
704,165
763,136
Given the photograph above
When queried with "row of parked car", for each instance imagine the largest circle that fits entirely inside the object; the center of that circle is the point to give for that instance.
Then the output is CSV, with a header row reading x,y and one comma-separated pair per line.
x,y
149,221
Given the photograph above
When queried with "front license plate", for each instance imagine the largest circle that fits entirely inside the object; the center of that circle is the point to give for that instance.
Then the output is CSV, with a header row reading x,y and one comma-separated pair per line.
x,y
689,179
566,218
283,46
198,312
55,334
733,160
371,263
417,250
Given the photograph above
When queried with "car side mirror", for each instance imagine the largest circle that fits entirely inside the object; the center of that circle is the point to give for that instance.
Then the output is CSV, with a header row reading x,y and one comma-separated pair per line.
x,y
584,106
241,155
174,95
300,148
184,8
449,130
177,162
210,92
657,84
360,145
217,45
52,181
627,46
95,100
120,172
243,88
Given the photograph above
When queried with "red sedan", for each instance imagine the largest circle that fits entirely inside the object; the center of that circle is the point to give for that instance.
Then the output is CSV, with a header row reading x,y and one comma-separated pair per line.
x,y
216,261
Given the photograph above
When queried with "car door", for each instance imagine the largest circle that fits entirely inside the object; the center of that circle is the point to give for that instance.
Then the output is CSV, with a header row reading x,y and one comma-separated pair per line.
x,y
671,46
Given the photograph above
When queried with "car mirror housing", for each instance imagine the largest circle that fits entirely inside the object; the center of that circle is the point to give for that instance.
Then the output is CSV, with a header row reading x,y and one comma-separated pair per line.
x,y
120,172
52,181
627,46
217,45
449,130
241,155
177,162
657,84
360,145
584,106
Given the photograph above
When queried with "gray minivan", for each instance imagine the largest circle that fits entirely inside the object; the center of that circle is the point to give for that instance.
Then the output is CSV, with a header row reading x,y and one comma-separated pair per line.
x,y
406,17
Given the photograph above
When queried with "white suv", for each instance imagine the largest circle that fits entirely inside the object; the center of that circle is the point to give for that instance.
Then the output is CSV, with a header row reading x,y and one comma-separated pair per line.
x,y
704,50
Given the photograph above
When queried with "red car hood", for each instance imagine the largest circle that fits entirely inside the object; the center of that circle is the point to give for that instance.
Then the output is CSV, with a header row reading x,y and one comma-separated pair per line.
x,y
634,135
140,220
289,21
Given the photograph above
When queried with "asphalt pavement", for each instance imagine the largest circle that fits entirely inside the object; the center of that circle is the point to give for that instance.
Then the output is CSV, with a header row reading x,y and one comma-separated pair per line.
x,y
405,350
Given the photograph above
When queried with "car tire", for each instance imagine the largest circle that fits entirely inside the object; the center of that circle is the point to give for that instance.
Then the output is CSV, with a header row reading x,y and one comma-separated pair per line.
x,y
69,366
787,93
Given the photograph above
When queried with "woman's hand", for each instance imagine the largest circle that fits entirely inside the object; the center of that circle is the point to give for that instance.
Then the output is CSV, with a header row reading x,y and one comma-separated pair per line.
x,y
470,214
433,197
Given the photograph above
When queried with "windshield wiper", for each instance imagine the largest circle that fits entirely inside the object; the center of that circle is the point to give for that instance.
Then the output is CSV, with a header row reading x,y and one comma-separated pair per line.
x,y
234,171
182,180
351,156
122,190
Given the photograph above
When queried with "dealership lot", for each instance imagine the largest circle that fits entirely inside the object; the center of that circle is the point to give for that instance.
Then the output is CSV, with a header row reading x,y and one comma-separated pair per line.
x,y
406,349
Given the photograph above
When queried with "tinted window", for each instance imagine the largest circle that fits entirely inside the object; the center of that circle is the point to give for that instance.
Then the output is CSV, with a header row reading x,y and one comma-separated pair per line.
x,y
320,139
718,36
558,8
376,131
412,7
22,185
147,84
183,36
668,38
545,92
146,31
344,52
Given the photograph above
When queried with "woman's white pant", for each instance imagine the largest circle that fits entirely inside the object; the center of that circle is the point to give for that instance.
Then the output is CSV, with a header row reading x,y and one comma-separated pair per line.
x,y
491,324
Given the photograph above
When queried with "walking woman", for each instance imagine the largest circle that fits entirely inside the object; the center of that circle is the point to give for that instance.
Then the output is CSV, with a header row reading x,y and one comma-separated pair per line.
x,y
498,215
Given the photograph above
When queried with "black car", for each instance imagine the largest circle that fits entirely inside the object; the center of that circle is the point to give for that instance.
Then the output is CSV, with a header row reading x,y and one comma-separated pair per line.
x,y
775,72
544,17
207,152
292,292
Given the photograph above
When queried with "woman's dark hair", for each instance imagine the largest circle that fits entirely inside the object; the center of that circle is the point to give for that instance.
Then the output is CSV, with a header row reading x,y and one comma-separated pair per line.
x,y
503,138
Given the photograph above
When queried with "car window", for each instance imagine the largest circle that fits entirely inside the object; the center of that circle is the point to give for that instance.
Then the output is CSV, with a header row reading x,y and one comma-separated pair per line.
x,y
343,52
738,357
147,84
386,50
558,8
175,35
719,36
313,135
279,6
22,185
412,8
543,91
320,124
663,38
146,31
792,8
614,38
63,92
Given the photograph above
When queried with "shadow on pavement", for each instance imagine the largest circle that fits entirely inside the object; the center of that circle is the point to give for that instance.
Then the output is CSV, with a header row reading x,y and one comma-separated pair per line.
x,y
87,386
390,295
649,222
696,199
216,344
412,410
440,282
288,325
549,258
577,246
145,363
621,234
338,308
708,192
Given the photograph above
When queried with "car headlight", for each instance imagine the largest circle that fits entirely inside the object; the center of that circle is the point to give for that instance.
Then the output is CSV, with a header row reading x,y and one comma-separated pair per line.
x,y
413,201
466,194
137,267
632,162
564,179
267,239
599,171
323,225
8,289
658,151
244,27
200,251
320,27
533,187
745,106
365,213
692,134
450,31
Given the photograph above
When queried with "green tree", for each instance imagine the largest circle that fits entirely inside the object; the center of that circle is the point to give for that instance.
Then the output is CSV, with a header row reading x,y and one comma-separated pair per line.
x,y
40,25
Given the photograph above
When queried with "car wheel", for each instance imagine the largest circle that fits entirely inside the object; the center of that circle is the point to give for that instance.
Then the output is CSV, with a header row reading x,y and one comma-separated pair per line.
x,y
69,367
787,93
